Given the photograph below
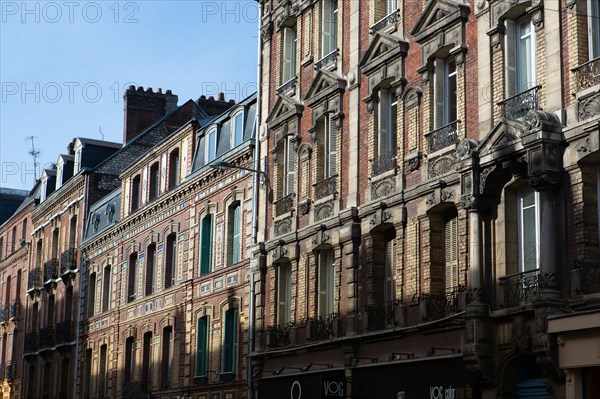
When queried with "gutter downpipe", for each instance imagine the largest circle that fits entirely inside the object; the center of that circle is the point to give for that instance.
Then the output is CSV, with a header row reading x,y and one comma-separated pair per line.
x,y
255,184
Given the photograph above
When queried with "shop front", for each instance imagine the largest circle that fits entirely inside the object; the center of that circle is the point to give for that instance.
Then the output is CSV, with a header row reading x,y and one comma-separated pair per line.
x,y
327,384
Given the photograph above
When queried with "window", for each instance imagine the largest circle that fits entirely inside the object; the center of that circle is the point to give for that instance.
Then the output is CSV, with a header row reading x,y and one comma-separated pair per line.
x,y
445,92
451,251
202,347
38,253
129,359
154,182
594,28
289,166
327,148
69,303
150,263
87,374
234,238
106,288
520,55
166,360
288,57
284,293
13,239
325,283
391,6
206,245
24,230
238,129
47,381
65,374
136,193
73,232
132,277
529,234
170,260
1,247
7,292
146,358
50,311
329,27
91,295
174,169
211,145
388,125
230,341
102,372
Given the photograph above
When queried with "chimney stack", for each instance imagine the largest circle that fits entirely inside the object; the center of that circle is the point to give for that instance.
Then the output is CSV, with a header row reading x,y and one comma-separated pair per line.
x,y
143,108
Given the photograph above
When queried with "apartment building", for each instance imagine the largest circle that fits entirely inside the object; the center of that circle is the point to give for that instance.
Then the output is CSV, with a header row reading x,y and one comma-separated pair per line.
x,y
434,225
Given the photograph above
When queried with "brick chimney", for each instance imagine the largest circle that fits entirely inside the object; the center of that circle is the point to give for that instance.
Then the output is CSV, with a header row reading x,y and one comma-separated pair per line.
x,y
143,108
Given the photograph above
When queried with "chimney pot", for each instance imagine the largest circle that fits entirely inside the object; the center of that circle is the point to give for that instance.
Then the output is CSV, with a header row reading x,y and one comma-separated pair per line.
x,y
140,88
131,87
159,90
211,98
203,97
149,90
169,92
231,101
221,96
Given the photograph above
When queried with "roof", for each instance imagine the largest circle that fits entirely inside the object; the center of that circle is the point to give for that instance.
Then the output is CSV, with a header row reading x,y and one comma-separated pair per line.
x,y
103,214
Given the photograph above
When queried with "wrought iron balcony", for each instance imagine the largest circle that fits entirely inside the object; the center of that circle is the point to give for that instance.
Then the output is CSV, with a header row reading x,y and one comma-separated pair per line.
x,y
15,309
443,137
326,187
31,343
134,390
279,335
284,205
589,277
328,59
2,372
587,75
51,270
46,338
381,317
35,279
438,305
391,18
68,261
518,105
3,314
321,328
11,370
64,332
519,288
287,86
384,162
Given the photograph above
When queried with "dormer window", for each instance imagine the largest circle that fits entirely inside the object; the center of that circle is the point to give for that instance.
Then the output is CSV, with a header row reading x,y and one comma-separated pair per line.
x,y
59,174
43,191
154,182
238,129
77,165
211,145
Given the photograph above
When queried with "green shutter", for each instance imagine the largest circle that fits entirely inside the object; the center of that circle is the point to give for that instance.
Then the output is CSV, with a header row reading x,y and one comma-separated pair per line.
x,y
236,239
206,245
202,347
230,341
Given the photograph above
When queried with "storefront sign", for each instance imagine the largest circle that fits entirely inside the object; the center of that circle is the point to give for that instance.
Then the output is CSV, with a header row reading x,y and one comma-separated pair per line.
x,y
326,385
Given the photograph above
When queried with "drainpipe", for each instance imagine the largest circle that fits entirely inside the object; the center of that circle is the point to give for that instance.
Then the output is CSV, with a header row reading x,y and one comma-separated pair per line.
x,y
255,184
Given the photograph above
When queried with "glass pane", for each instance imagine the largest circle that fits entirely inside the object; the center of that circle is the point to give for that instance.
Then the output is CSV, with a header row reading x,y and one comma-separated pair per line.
x,y
528,199
529,240
212,146
525,57
393,122
451,114
594,19
239,129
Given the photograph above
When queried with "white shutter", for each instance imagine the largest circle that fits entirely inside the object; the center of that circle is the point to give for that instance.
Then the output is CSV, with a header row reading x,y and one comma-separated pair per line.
x,y
439,93
290,165
390,272
510,51
383,121
331,147
326,27
451,253
289,54
392,5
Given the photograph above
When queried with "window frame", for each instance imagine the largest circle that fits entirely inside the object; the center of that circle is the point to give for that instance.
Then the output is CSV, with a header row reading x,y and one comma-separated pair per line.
x,y
288,54
205,259
289,166
154,181
234,250
329,27
593,18
326,287
210,154
387,124
235,140
202,358
446,87
284,294
230,345
523,250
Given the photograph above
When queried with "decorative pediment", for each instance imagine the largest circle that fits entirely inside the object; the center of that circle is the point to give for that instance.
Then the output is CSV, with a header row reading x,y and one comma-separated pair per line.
x,y
437,15
284,109
324,84
504,138
383,47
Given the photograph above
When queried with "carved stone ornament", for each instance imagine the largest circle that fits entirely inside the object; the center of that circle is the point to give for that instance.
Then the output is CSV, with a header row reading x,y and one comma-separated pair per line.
x,y
304,206
413,164
547,281
324,211
430,199
545,180
283,226
383,188
483,178
532,121
279,252
446,195
441,166
381,216
588,107
322,237
267,31
584,146
465,149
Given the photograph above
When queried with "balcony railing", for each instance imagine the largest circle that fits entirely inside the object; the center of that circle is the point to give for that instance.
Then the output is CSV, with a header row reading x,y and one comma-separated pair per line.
x,y
31,342
284,205
381,317
518,105
11,370
325,187
443,137
134,390
519,288
46,338
68,260
51,270
35,278
287,86
391,18
384,162
589,277
587,75
15,309
279,335
321,328
3,314
64,332
438,305
328,59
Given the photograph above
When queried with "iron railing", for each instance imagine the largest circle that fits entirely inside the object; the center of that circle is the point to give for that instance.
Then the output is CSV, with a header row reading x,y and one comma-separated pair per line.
x,y
328,59
384,162
438,305
589,276
134,390
321,327
518,105
519,288
287,86
31,342
35,278
391,18
587,75
64,332
15,309
379,317
3,314
279,335
325,187
284,205
11,370
68,260
443,137
46,338
51,270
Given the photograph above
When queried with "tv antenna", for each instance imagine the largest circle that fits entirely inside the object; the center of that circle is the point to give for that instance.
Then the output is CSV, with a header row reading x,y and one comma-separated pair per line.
x,y
100,131
34,153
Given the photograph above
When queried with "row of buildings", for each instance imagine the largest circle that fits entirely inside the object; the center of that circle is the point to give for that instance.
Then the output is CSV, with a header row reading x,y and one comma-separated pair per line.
x,y
408,207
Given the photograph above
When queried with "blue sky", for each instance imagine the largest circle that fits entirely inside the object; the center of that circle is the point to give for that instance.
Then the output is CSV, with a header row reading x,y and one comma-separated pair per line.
x,y
64,67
